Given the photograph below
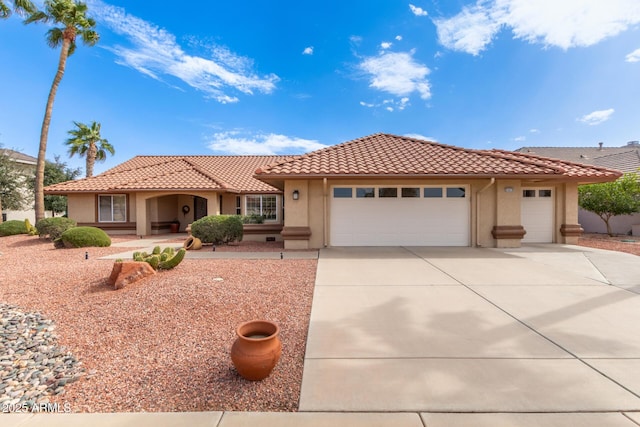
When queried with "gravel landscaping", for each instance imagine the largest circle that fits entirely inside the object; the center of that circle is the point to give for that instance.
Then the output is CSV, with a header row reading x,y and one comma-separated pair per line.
x,y
162,344
628,244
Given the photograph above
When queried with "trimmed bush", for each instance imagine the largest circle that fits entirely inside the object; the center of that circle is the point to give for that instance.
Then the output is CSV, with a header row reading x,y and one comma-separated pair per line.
x,y
54,227
83,237
10,228
218,229
253,219
31,230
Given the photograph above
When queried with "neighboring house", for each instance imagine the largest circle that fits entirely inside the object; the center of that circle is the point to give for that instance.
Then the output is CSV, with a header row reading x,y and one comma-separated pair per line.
x,y
377,190
28,166
146,194
625,159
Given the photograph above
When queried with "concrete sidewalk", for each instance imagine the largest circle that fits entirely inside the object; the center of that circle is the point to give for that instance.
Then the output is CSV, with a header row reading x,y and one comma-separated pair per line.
x,y
465,330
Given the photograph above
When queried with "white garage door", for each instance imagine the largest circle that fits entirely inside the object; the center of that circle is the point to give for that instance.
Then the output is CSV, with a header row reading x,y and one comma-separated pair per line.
x,y
399,216
537,215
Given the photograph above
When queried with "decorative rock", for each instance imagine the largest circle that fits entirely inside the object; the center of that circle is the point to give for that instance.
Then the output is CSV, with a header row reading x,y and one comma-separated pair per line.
x,y
25,343
127,272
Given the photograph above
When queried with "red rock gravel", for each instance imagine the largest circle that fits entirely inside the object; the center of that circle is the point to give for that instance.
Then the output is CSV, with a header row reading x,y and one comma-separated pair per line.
x,y
628,244
163,344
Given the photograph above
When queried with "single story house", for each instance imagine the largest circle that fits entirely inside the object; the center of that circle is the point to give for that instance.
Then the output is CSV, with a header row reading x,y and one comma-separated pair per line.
x,y
625,159
377,190
146,194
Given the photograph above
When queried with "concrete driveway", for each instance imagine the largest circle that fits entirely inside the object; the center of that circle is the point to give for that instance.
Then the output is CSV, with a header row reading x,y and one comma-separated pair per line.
x,y
540,329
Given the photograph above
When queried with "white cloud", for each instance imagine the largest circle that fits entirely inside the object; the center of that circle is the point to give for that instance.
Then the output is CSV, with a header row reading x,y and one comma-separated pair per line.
x,y
418,11
520,138
565,24
398,74
534,130
596,117
308,50
398,37
237,142
469,31
419,136
367,104
389,104
385,45
156,53
633,56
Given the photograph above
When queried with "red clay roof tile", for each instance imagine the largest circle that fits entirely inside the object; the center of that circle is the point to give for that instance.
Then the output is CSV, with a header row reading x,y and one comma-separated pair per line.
x,y
391,155
147,173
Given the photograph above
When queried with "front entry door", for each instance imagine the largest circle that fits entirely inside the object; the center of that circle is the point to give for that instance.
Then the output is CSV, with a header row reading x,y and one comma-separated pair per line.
x,y
199,208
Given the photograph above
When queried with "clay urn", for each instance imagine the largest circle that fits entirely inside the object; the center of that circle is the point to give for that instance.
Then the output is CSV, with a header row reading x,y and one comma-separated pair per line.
x,y
257,349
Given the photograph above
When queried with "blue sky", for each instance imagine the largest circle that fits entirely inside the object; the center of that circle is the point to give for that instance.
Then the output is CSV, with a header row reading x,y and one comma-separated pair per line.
x,y
287,77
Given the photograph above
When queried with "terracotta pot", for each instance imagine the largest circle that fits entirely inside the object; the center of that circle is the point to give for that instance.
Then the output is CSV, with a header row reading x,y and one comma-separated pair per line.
x,y
192,243
257,349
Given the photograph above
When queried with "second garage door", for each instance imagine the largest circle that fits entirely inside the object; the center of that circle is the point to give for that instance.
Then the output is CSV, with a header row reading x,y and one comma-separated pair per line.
x,y
399,216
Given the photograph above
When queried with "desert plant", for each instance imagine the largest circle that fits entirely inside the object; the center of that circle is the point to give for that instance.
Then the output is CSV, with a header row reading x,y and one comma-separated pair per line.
x,y
54,227
82,237
31,230
161,259
253,219
218,229
12,227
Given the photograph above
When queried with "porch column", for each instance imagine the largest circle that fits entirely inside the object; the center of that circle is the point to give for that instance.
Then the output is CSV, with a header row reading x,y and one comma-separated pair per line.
x,y
213,204
296,231
143,223
570,230
508,230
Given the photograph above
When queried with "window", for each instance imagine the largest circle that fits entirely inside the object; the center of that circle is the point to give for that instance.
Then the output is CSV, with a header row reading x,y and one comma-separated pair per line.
x,y
433,192
410,192
456,191
365,192
528,193
238,206
387,192
342,193
112,208
544,193
265,205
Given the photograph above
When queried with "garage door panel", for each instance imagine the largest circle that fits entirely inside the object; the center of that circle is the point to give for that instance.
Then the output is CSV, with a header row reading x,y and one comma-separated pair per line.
x,y
537,213
407,221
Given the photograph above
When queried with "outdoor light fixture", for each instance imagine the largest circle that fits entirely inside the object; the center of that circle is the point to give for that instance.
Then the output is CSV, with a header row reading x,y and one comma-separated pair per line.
x,y
508,189
296,194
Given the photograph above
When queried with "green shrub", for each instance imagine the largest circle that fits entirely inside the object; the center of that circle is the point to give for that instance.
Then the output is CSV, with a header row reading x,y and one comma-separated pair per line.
x,y
218,229
54,227
253,219
83,237
10,228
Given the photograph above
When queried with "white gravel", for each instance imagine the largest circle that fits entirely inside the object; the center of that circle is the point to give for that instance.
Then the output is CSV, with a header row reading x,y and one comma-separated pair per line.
x,y
163,344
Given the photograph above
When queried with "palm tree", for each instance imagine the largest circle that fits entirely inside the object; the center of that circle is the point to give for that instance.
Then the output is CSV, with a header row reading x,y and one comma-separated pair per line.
x,y
74,22
19,6
87,141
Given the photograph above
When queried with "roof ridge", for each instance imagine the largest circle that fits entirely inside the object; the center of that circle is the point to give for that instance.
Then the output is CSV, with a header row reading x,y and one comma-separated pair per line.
x,y
215,179
567,162
527,158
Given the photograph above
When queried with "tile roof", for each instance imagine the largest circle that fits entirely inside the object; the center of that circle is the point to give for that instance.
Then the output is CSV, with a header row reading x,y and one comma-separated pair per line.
x,y
625,159
157,173
18,156
394,156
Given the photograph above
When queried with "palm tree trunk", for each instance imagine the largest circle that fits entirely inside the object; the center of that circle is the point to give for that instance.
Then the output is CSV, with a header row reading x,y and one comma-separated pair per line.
x,y
91,158
44,133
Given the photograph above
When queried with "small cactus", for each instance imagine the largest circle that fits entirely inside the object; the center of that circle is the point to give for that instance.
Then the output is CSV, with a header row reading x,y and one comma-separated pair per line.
x,y
173,261
163,259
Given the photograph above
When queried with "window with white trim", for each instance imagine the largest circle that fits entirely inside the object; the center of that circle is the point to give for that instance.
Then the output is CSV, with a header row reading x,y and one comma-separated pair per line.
x,y
112,208
265,205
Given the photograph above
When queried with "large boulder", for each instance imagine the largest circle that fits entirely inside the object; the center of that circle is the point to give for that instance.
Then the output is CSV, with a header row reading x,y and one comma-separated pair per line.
x,y
127,272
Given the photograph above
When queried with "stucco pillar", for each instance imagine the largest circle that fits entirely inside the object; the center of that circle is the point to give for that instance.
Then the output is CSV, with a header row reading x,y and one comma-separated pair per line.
x,y
296,231
570,229
213,204
143,224
508,230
